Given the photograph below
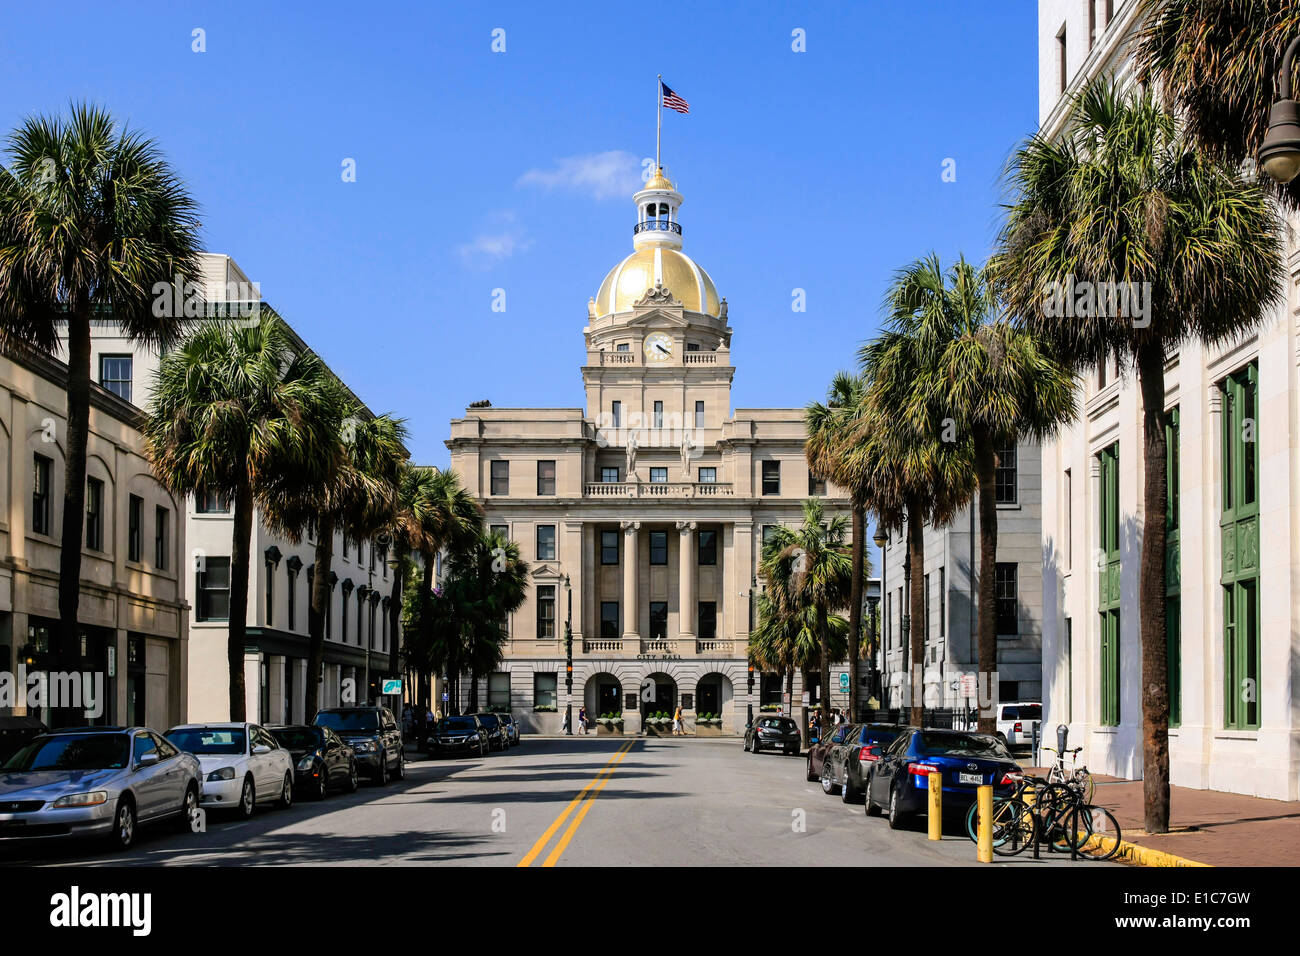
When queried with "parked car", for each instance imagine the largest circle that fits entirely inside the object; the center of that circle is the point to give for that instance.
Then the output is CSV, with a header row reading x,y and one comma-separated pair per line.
x,y
511,727
495,730
899,781
242,765
1016,722
852,759
453,736
321,758
375,738
819,749
96,781
773,733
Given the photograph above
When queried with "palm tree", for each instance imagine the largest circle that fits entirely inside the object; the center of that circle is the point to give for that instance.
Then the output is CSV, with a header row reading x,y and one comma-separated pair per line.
x,y
786,643
240,412
808,571
1124,198
487,583
948,356
829,429
91,219
1216,64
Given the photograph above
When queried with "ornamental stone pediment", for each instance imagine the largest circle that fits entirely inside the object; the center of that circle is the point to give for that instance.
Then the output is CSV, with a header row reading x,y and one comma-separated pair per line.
x,y
656,317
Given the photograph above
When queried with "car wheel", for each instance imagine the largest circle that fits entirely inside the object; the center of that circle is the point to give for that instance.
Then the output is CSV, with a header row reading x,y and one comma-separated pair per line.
x,y
828,785
757,748
811,774
189,803
123,834
247,799
400,773
848,793
323,790
286,792
895,815
354,783
381,776
746,745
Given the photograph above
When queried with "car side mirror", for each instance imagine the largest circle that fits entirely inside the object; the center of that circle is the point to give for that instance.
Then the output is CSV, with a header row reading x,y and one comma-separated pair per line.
x,y
147,760
260,749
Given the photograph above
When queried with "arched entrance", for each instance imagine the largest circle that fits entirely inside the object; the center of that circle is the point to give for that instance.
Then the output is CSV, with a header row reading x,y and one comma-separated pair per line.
x,y
658,695
602,695
713,694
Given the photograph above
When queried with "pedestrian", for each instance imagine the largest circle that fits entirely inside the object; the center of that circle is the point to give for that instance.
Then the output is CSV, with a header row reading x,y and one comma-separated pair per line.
x,y
677,722
407,720
582,719
564,724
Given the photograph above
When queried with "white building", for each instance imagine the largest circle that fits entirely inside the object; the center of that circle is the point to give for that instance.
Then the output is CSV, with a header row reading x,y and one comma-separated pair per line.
x,y
1234,556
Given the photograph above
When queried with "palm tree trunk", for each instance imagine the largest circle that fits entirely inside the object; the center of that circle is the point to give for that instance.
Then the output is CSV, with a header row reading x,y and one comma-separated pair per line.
x,y
824,653
1151,593
237,631
395,607
803,714
316,612
789,689
986,472
74,491
473,692
916,609
855,605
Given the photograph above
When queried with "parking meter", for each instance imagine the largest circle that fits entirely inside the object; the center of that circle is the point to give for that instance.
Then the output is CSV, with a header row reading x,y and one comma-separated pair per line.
x,y
1062,735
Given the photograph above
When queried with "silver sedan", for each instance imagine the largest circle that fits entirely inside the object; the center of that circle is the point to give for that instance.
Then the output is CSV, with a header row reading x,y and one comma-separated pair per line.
x,y
96,782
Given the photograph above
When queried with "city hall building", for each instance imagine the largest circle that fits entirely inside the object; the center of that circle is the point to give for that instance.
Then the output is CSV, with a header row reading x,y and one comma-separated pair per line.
x,y
642,513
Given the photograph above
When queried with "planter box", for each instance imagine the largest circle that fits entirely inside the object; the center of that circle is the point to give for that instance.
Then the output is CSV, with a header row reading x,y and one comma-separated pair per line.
x,y
708,730
604,731
659,730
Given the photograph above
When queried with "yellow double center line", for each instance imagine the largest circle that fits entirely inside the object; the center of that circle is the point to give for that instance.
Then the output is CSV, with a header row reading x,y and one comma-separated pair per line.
x,y
586,797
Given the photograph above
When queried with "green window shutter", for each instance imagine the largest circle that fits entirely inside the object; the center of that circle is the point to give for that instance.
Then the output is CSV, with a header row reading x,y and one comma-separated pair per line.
x,y
1173,570
1239,540
1109,586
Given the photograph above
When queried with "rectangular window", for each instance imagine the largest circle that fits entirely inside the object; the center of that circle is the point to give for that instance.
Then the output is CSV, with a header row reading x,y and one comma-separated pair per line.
x,y
609,547
115,374
501,531
708,548
659,476
1239,537
623,347
771,477
546,542
1005,476
707,621
616,413
816,486
1109,585
1063,77
692,346
161,537
545,691
658,620
658,414
658,547
499,691
290,593
708,475
546,477
500,478
1067,502
1069,670
943,602
609,474
213,589
211,502
134,533
94,514
609,620
545,612
1007,599
925,590
1092,23
269,597
769,532
42,467
699,414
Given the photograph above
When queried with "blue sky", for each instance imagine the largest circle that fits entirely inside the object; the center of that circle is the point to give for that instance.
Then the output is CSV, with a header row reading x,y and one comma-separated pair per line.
x,y
477,170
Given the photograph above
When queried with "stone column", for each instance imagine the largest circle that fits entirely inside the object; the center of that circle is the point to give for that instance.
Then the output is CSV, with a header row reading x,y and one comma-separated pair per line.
x,y
631,565
686,585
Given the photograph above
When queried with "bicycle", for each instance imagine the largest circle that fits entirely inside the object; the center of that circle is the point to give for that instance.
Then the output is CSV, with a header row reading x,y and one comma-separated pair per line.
x,y
1068,822
1014,821
1080,776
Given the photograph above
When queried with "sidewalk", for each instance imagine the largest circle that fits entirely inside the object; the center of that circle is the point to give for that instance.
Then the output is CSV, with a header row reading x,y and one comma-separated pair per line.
x,y
1208,826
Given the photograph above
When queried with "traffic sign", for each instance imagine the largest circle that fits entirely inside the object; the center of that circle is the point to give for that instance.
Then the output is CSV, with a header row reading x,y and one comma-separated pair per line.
x,y
844,680
392,686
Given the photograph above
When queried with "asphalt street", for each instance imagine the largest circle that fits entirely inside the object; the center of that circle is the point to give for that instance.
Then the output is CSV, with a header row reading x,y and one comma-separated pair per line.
x,y
581,801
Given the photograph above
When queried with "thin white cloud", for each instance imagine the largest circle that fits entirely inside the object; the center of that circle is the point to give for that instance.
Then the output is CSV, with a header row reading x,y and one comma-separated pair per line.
x,y
613,174
495,244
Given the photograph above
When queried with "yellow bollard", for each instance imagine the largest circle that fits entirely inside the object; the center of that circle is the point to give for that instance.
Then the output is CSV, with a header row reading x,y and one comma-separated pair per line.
x,y
936,805
985,798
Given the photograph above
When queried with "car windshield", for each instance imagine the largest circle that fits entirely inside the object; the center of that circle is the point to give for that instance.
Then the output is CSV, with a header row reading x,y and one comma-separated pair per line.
x,y
348,720
777,723
204,741
460,724
975,745
298,738
72,752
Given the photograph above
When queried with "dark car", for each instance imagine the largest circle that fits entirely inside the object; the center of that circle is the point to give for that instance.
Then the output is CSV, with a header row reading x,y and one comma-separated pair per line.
x,y
820,749
899,781
850,762
511,727
375,738
453,736
773,733
495,730
321,759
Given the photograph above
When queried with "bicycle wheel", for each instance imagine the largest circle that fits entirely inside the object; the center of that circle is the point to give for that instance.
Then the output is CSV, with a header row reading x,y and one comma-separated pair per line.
x,y
1095,832
1055,804
1014,827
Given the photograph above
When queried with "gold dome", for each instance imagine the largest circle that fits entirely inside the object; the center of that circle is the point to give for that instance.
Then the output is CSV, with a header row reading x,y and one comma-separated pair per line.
x,y
634,276
658,180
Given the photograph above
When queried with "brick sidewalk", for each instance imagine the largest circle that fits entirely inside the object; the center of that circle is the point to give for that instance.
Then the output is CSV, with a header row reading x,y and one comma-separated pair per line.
x,y
1221,829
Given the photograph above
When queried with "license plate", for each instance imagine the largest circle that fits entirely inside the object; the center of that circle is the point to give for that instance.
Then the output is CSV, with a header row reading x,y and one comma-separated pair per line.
x,y
970,778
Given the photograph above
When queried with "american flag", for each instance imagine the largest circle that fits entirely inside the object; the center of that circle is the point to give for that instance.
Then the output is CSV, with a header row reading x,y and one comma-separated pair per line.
x,y
672,100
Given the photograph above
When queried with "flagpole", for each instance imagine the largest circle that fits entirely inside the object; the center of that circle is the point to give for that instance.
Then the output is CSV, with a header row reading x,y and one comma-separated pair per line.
x,y
659,117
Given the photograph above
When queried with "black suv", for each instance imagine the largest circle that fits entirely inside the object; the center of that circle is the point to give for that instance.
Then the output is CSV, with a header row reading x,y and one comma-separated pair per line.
x,y
774,733
498,738
375,736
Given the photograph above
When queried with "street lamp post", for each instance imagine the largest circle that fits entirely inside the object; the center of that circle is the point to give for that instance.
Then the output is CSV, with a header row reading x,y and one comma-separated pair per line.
x,y
881,539
1280,152
568,660
749,716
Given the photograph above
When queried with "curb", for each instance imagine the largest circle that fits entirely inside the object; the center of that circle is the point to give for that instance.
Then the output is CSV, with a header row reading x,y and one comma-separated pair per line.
x,y
1137,855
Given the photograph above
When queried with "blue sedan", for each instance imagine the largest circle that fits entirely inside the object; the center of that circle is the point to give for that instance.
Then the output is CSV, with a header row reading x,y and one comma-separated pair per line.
x,y
899,781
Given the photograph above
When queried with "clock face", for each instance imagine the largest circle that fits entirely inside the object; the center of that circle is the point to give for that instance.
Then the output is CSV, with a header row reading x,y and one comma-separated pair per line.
x,y
658,348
